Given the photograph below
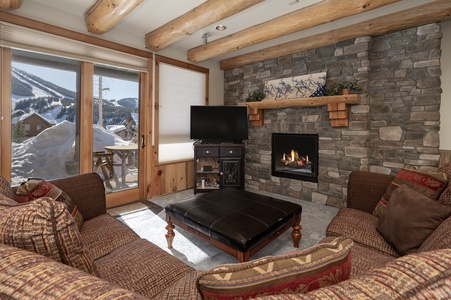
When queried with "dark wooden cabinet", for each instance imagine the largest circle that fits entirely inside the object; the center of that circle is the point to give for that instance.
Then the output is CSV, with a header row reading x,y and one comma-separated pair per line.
x,y
218,165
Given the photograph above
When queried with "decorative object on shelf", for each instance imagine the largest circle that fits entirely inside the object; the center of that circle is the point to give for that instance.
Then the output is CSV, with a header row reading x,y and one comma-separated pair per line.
x,y
304,86
256,96
343,88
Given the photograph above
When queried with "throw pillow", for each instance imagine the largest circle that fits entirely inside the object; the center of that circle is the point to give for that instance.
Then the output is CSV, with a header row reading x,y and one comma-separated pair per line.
x,y
37,188
296,272
445,196
410,219
44,226
446,168
6,189
430,184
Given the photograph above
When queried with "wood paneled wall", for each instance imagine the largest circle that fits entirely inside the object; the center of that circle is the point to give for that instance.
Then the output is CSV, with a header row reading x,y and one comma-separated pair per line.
x,y
445,157
170,178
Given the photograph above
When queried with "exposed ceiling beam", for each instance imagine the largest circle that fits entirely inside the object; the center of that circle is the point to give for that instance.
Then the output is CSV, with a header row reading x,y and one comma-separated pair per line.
x,y
104,14
10,4
200,17
424,14
307,17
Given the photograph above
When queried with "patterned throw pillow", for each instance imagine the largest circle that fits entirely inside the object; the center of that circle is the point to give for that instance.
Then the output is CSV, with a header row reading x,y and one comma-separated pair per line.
x,y
430,184
37,188
6,189
410,219
45,227
445,196
296,272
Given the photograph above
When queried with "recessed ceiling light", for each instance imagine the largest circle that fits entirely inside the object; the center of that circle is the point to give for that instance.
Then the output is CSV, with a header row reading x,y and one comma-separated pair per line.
x,y
220,27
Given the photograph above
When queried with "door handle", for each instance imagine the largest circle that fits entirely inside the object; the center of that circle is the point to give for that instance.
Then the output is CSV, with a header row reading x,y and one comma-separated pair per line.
x,y
142,141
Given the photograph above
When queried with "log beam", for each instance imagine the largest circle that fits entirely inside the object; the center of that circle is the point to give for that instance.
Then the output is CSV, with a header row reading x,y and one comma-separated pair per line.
x,y
104,14
436,11
10,4
321,13
200,17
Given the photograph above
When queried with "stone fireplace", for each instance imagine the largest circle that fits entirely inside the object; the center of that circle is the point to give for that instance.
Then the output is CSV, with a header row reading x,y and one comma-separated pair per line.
x,y
295,156
396,122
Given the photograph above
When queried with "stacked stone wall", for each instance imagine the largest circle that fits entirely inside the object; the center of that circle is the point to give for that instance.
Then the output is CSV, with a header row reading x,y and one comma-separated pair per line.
x,y
395,123
405,90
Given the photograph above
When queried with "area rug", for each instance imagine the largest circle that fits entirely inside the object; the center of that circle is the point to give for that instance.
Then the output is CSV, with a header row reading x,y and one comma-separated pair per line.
x,y
147,219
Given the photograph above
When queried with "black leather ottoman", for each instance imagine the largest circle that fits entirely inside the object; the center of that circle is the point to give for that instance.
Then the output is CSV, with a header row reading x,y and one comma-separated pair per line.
x,y
236,221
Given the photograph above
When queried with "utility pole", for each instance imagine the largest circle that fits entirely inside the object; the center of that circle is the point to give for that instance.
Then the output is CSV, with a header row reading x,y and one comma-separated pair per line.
x,y
100,123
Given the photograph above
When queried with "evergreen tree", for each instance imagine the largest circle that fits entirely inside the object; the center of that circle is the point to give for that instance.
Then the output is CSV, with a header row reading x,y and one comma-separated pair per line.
x,y
18,132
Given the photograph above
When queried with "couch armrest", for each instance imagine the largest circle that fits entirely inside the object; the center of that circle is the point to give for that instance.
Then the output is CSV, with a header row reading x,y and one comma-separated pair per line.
x,y
87,191
365,189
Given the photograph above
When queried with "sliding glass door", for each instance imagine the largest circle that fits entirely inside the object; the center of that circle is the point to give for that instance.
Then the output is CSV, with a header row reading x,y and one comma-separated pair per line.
x,y
116,126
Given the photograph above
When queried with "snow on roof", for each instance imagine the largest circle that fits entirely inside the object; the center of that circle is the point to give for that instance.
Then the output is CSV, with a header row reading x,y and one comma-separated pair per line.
x,y
46,117
115,128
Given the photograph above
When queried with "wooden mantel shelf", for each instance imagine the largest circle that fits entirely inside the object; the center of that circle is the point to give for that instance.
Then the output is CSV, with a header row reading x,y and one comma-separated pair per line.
x,y
337,107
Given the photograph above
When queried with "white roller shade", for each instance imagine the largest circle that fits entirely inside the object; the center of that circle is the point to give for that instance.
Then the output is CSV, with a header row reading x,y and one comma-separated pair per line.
x,y
179,89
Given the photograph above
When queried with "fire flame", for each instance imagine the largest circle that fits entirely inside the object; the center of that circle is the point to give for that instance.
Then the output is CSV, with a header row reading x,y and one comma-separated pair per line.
x,y
293,159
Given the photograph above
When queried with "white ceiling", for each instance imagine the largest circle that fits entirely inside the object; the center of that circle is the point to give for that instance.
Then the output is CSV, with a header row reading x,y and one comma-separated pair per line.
x,y
151,14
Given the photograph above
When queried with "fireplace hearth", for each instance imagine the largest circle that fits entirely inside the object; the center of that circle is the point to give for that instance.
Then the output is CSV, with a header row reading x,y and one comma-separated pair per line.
x,y
295,156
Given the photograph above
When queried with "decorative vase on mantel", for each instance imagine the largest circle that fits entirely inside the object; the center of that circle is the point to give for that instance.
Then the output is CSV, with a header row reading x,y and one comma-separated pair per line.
x,y
345,91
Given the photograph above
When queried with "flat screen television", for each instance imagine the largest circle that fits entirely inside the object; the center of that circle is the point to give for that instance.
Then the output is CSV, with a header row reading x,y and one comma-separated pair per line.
x,y
210,124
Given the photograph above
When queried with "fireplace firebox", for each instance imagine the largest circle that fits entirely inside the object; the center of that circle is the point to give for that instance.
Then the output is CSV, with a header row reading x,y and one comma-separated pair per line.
x,y
295,156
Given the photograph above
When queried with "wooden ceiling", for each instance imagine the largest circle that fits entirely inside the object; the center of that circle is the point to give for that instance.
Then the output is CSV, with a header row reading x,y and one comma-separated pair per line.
x,y
103,15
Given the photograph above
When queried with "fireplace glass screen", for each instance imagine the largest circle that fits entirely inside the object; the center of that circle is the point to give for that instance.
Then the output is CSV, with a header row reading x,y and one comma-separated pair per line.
x,y
295,156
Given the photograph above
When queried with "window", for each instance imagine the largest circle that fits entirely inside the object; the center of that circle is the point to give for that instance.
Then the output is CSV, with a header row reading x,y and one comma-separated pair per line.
x,y
44,87
179,88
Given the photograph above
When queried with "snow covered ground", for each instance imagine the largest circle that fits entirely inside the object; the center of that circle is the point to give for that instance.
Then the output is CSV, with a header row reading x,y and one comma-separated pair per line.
x,y
45,155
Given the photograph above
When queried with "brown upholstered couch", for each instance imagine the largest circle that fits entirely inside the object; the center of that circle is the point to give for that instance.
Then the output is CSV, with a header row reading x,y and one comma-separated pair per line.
x,y
121,257
132,268
357,222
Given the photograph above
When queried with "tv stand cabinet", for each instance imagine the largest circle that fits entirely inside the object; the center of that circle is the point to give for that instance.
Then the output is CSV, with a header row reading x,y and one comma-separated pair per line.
x,y
217,166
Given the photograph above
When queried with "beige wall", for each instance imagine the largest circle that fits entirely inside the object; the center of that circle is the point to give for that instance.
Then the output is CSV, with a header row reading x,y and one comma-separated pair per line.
x,y
445,108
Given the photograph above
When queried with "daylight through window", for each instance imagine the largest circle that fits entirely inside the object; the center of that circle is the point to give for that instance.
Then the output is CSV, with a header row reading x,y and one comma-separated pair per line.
x,y
179,88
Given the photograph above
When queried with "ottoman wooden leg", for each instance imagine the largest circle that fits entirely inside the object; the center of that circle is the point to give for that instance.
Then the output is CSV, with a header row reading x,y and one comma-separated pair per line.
x,y
296,233
170,234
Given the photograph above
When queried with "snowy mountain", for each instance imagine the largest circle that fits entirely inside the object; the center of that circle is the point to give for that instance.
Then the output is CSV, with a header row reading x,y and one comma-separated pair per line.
x,y
31,93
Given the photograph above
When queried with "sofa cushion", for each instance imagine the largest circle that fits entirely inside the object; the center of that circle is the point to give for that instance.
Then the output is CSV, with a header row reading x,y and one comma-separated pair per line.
x,y
37,188
360,227
104,233
439,239
423,275
365,259
296,272
6,189
410,218
184,288
430,184
153,269
28,276
44,226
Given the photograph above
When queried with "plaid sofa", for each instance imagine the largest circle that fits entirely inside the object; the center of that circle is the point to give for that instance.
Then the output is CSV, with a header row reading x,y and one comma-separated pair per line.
x,y
357,222
126,267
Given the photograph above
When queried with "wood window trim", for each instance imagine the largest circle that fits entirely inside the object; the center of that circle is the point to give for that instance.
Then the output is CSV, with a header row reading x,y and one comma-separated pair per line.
x,y
5,112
